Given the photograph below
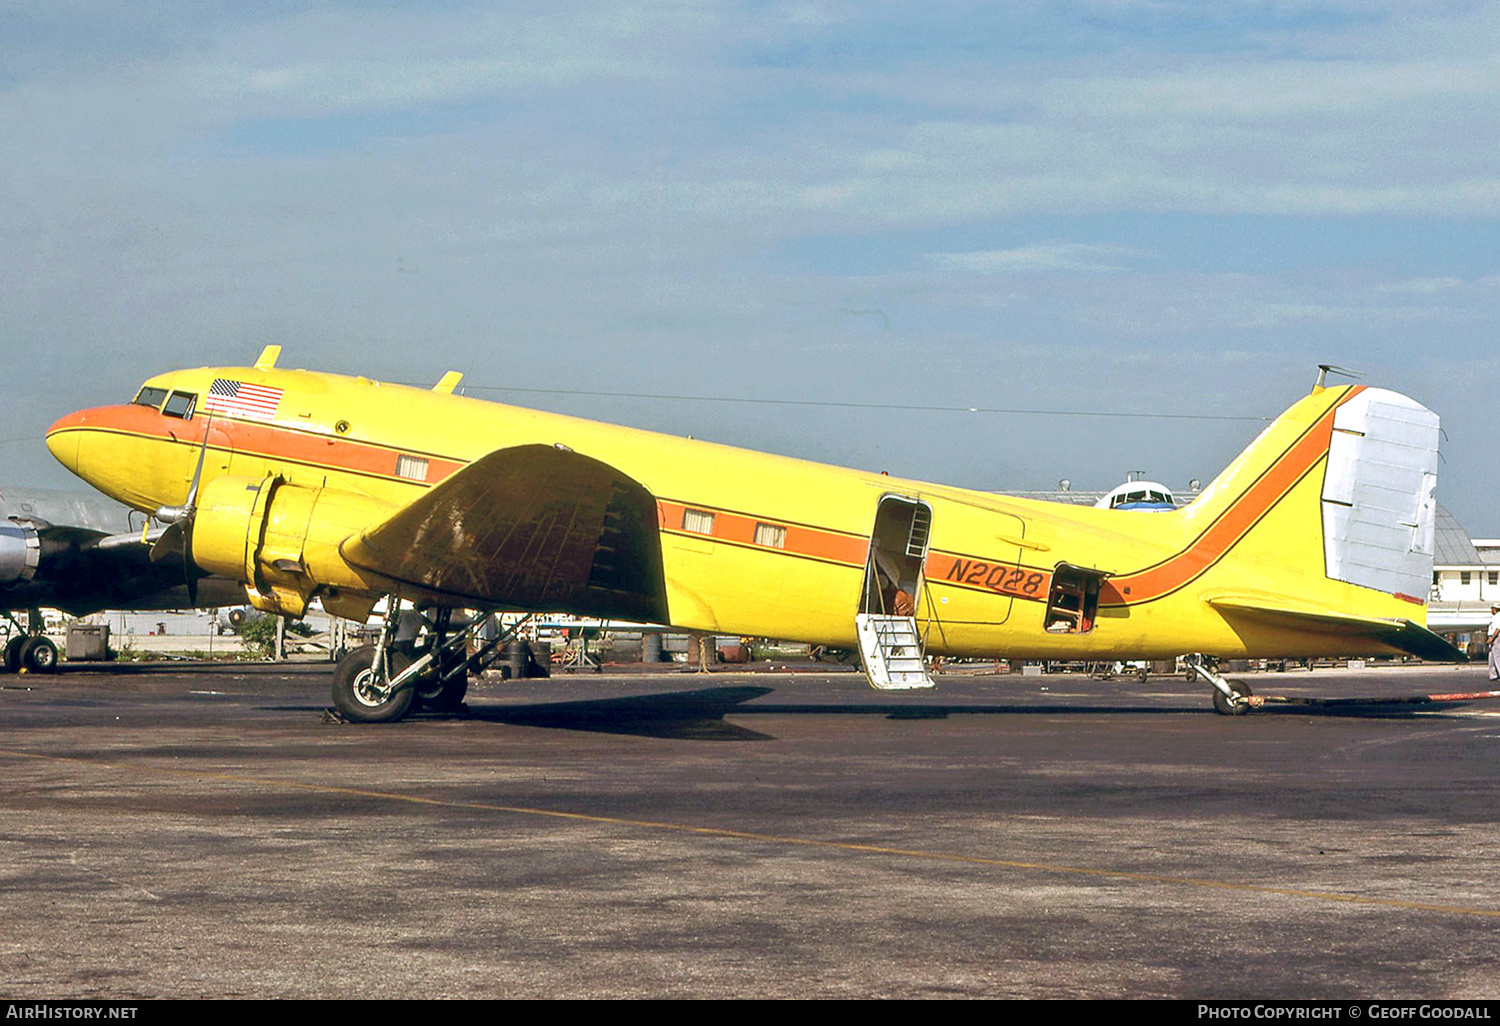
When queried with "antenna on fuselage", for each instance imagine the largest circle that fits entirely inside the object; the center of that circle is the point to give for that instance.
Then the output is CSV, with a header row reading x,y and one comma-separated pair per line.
x,y
1324,369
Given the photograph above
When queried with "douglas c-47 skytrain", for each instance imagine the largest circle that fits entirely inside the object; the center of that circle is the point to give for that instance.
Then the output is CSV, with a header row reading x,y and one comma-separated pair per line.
x,y
1317,540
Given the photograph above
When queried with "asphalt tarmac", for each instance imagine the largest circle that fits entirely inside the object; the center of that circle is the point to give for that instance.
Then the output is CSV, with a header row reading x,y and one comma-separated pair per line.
x,y
206,832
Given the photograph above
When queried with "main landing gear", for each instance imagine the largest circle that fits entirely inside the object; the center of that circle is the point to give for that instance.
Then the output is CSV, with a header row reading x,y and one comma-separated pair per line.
x,y
383,682
1231,697
28,649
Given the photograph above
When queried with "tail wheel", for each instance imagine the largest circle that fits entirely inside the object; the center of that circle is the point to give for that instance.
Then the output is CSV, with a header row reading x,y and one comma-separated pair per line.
x,y
358,687
1238,707
39,655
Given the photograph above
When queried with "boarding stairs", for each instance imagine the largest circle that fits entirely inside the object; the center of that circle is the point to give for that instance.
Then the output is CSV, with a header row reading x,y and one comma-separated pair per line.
x,y
891,650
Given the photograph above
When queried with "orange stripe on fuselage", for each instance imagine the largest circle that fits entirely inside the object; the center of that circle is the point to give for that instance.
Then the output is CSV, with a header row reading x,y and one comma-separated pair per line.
x,y
842,548
805,540
330,451
265,440
1230,526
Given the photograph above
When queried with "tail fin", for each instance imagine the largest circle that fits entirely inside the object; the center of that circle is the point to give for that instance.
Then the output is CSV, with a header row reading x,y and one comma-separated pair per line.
x,y
1371,456
1330,507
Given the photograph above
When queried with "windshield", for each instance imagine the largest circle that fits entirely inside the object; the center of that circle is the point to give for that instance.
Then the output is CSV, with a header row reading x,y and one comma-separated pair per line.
x,y
149,396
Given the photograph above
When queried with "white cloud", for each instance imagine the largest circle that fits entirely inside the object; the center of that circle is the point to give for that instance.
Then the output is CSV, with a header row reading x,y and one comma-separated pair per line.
x,y
1422,286
1046,256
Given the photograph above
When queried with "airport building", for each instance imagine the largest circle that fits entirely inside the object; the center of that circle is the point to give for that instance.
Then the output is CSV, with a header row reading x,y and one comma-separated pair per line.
x,y
1465,581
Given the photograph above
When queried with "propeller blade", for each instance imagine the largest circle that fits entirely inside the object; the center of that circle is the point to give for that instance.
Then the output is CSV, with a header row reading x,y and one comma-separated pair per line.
x,y
169,544
191,505
181,530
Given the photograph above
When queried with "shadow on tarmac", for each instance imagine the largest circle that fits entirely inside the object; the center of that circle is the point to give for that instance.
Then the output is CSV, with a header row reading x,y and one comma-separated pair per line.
x,y
682,715
700,714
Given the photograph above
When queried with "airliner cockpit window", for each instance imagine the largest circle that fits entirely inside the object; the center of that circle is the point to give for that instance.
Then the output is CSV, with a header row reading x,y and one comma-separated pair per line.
x,y
180,404
149,396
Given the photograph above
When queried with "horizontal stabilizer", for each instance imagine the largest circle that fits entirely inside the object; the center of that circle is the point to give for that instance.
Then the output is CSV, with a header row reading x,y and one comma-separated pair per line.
x,y
1403,635
533,527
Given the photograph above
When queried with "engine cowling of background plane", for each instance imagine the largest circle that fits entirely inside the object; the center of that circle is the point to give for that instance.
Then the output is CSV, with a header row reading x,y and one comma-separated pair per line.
x,y
20,552
263,532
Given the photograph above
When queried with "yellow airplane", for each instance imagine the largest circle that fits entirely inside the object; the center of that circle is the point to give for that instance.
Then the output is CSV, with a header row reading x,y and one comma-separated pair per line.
x,y
1317,540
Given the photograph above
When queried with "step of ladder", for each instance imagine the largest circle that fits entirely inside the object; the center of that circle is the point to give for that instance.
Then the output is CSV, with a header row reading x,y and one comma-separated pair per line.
x,y
890,648
921,524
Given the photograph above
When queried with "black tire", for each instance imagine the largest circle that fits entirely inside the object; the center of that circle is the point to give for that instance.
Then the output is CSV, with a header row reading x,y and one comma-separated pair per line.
x,y
1221,703
441,698
355,673
446,699
13,653
39,655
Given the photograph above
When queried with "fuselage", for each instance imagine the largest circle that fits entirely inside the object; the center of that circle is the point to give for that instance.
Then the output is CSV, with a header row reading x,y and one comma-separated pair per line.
x,y
764,545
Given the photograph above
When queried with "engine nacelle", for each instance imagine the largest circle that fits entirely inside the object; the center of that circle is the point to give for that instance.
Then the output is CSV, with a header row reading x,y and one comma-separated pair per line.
x,y
282,541
20,552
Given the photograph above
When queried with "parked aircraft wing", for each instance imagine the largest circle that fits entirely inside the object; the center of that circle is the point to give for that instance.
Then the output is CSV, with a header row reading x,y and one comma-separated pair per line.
x,y
534,527
1404,635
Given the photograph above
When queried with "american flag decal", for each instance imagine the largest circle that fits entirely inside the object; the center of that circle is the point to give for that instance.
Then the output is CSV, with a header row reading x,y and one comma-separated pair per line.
x,y
240,398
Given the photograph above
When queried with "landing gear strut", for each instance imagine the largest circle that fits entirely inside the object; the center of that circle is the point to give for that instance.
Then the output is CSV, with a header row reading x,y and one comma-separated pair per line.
x,y
443,689
1231,697
381,683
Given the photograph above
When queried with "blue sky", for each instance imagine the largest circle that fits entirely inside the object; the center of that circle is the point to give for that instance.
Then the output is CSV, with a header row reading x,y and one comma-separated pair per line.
x,y
1135,207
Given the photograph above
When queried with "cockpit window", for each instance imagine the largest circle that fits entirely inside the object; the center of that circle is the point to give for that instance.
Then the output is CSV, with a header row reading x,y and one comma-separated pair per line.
x,y
180,404
149,396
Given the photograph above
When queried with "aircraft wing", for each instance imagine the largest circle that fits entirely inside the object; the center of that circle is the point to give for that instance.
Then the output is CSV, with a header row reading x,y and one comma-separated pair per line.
x,y
534,527
1404,635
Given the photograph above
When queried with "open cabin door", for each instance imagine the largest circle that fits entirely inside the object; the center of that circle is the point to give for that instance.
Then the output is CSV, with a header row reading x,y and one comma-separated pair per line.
x,y
890,646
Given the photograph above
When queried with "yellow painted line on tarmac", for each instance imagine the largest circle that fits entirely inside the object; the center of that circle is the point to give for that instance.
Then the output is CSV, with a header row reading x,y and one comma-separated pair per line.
x,y
804,842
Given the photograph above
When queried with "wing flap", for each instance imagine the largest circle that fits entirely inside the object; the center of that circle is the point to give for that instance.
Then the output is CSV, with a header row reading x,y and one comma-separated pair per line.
x,y
1403,635
532,527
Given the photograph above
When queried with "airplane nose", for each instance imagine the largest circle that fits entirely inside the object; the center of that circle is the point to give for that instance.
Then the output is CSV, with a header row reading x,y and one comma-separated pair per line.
x,y
63,438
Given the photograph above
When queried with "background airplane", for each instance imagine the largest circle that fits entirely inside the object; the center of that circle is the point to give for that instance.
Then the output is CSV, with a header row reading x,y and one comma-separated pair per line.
x,y
1149,496
80,553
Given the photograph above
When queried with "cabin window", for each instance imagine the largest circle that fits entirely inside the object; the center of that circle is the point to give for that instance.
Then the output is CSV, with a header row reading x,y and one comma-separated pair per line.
x,y
180,404
698,521
771,536
413,468
1495,576
151,397
1464,576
